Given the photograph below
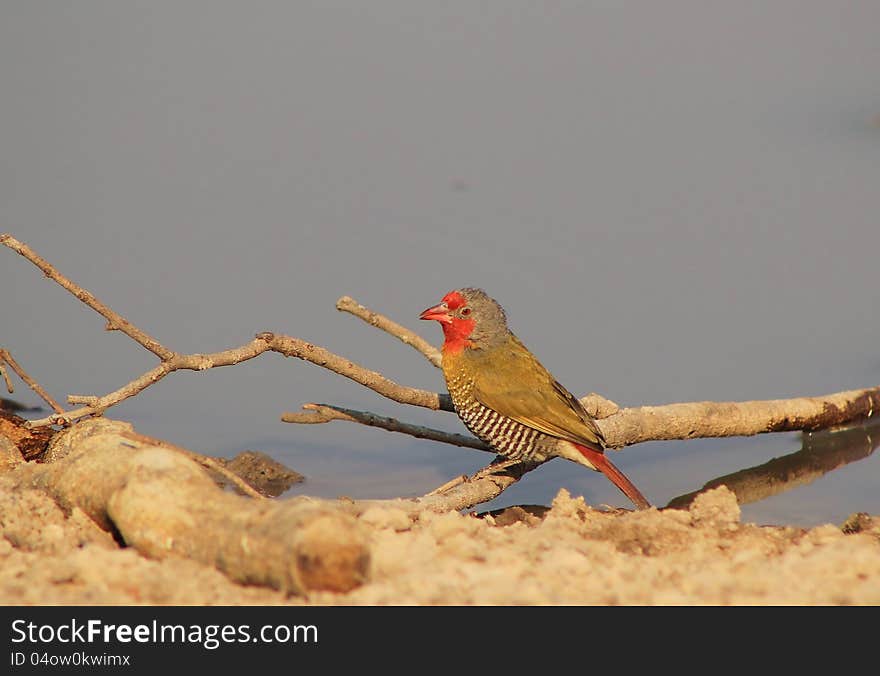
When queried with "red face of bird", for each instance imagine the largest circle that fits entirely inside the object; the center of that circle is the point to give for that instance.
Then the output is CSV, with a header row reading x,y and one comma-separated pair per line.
x,y
469,318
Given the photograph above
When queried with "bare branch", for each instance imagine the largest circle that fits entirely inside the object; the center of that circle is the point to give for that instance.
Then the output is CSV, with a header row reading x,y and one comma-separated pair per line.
x,y
114,321
598,406
452,483
457,494
33,384
732,419
415,341
321,413
6,379
87,399
629,426
633,425
293,347
625,427
462,492
100,404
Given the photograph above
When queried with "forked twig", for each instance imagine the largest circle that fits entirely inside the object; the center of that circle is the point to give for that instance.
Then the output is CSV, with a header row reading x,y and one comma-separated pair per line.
x,y
6,357
114,321
431,353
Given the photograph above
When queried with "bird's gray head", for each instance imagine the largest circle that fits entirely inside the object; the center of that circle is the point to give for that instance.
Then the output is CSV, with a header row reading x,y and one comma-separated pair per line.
x,y
470,318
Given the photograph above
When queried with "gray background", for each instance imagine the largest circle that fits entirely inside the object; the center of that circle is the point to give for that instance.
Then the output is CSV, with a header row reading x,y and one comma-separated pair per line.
x,y
674,201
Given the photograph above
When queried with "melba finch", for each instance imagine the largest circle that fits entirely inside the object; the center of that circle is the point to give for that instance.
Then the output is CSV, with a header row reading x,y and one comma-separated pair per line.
x,y
506,397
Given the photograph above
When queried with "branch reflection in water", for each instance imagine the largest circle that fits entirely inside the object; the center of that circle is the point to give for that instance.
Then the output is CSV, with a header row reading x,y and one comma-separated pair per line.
x,y
820,453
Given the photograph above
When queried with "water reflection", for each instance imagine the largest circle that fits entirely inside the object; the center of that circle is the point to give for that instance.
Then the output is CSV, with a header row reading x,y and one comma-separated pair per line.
x,y
820,453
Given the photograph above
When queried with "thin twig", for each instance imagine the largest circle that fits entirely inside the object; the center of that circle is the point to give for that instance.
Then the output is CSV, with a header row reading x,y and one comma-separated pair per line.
x,y
203,460
456,494
87,399
33,384
213,465
321,413
114,320
9,387
415,341
452,483
294,347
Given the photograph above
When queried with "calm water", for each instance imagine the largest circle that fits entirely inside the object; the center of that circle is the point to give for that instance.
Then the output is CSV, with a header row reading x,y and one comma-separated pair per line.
x,y
673,203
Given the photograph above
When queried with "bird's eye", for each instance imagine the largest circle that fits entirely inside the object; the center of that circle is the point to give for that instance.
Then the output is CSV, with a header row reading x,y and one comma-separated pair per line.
x,y
465,311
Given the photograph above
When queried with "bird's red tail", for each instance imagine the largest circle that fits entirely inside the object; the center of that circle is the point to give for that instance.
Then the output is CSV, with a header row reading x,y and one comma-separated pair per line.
x,y
600,461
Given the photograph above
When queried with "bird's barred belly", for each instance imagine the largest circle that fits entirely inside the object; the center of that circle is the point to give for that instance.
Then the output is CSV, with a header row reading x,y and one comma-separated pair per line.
x,y
505,435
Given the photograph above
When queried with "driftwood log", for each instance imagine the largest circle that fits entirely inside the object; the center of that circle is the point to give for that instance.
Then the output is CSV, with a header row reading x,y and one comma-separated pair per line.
x,y
163,504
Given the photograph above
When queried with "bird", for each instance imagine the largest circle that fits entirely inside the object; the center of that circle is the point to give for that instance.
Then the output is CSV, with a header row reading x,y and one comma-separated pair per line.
x,y
507,398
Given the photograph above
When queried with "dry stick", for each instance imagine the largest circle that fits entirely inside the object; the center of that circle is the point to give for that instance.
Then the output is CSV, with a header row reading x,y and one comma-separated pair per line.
x,y
631,426
415,341
5,375
321,413
210,463
452,483
626,427
203,460
33,384
114,321
293,347
456,494
734,419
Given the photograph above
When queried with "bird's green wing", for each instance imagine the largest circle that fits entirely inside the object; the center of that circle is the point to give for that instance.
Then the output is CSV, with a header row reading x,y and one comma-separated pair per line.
x,y
514,383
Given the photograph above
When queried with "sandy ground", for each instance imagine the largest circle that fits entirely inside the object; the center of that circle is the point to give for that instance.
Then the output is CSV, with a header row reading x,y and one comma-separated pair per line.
x,y
569,554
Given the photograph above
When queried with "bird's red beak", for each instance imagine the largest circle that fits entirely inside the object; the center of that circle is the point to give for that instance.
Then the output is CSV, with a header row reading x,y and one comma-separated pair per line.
x,y
439,313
